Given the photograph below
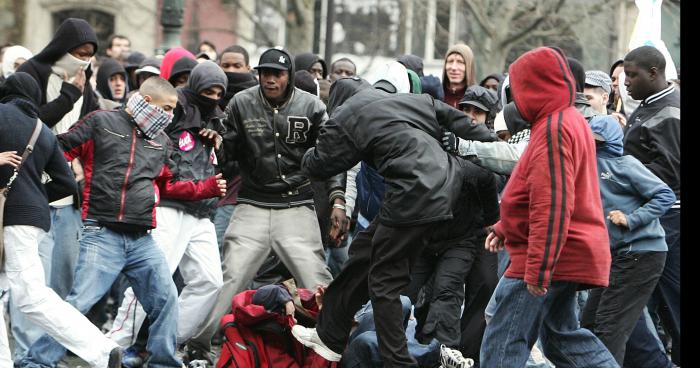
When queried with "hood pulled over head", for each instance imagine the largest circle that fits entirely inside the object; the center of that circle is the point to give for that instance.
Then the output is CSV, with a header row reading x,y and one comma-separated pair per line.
x,y
344,88
541,83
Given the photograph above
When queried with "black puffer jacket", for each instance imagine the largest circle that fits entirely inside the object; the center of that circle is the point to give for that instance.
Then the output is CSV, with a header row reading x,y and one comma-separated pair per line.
x,y
399,136
268,144
125,173
190,156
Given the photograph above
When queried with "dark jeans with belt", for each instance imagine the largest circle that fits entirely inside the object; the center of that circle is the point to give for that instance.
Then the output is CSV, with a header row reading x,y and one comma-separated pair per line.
x,y
440,274
378,269
612,312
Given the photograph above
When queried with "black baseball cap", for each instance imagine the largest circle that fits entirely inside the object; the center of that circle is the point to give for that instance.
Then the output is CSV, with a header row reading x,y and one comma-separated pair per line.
x,y
275,59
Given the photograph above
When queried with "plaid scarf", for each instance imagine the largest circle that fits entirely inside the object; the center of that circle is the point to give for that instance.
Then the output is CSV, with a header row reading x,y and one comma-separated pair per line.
x,y
151,119
521,136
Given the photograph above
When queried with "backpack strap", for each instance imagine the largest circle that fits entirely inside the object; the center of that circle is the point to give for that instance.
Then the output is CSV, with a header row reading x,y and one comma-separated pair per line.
x,y
27,151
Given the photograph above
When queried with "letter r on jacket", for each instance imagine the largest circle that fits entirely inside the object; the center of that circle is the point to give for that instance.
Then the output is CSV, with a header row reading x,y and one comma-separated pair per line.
x,y
297,129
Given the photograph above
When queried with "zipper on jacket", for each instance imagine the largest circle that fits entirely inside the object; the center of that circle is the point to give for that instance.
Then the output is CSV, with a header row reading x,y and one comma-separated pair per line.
x,y
128,172
113,133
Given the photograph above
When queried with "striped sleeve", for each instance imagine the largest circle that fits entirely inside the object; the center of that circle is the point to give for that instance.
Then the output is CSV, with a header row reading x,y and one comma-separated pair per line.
x,y
550,181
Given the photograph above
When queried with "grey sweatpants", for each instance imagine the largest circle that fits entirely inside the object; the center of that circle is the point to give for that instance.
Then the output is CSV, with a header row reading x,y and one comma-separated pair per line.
x,y
294,235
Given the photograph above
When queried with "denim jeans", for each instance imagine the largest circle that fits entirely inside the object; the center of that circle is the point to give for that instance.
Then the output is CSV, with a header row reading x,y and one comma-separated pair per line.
x,y
363,346
644,348
536,358
666,299
222,217
104,254
520,317
336,257
58,251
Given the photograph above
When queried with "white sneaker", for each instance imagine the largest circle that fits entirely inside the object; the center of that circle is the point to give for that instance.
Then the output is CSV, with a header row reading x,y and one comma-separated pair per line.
x,y
309,338
450,358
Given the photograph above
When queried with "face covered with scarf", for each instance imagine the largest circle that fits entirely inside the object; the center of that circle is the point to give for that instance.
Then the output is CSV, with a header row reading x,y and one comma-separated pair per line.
x,y
205,87
151,116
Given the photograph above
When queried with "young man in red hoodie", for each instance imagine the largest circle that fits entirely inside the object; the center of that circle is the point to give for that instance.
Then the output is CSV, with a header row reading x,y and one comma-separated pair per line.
x,y
551,224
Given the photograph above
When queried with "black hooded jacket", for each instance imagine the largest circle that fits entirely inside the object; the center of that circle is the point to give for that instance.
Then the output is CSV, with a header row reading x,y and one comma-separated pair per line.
x,y
71,33
28,199
399,136
306,60
412,62
268,143
109,68
190,157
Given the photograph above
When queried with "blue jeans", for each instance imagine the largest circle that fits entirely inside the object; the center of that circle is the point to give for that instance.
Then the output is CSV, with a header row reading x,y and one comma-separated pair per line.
x,y
520,317
666,299
222,217
58,251
104,254
336,257
363,346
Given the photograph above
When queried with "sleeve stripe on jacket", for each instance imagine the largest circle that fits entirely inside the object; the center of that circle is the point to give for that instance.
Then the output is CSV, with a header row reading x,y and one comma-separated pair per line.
x,y
544,272
550,225
563,189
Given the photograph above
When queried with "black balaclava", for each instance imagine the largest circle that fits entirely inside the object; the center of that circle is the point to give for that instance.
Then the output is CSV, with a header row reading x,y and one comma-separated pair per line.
x,y
24,87
72,33
412,62
236,83
579,73
205,75
306,60
514,121
109,68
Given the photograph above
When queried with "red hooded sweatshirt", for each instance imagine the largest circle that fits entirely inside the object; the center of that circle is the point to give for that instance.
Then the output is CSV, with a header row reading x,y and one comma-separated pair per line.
x,y
551,213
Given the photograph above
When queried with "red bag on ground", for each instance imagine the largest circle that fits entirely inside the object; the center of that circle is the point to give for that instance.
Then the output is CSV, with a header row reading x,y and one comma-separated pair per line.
x,y
256,338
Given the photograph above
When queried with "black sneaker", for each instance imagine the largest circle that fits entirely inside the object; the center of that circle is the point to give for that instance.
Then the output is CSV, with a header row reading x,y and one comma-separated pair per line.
x,y
115,358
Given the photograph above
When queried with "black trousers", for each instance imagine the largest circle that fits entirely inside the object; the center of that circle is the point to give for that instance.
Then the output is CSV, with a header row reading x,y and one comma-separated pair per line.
x,y
612,312
479,285
441,277
378,268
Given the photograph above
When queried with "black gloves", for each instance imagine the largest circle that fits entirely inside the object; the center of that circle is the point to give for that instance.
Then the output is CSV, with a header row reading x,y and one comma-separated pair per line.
x,y
450,142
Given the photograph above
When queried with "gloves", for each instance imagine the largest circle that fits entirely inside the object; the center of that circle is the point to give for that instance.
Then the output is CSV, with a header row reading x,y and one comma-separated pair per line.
x,y
450,142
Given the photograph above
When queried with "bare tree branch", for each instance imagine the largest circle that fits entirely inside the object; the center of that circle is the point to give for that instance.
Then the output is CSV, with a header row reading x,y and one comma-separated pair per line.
x,y
524,33
479,13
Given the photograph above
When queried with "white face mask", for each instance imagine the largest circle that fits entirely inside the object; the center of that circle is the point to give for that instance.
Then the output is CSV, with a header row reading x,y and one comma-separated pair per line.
x,y
70,65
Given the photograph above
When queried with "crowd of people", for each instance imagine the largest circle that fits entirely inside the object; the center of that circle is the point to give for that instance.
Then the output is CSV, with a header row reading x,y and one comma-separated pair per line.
x,y
297,214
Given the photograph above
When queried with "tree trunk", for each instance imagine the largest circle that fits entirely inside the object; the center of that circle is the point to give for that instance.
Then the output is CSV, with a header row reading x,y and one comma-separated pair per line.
x,y
300,26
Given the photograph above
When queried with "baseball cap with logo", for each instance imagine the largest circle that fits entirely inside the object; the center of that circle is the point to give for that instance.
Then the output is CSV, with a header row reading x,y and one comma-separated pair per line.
x,y
275,59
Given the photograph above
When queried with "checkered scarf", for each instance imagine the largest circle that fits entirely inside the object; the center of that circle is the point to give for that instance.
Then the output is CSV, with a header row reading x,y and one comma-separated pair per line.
x,y
521,136
151,119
